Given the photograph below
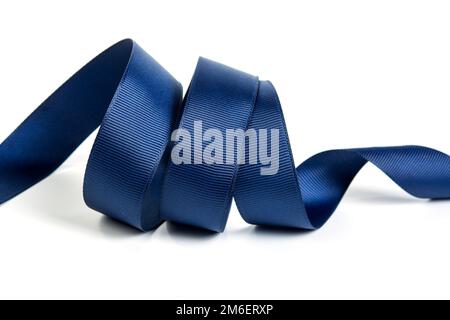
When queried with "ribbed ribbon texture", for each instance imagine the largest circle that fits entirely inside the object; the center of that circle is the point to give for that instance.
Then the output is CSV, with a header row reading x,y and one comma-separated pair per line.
x,y
130,176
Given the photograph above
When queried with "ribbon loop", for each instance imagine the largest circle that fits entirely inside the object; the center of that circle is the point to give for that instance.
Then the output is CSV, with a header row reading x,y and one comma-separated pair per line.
x,y
199,193
127,163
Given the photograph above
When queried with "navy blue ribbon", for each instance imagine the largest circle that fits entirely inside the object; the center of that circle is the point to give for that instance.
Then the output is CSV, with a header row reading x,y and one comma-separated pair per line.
x,y
130,177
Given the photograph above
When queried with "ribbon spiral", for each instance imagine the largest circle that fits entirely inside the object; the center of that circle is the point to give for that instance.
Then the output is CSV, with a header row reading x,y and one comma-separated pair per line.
x,y
129,177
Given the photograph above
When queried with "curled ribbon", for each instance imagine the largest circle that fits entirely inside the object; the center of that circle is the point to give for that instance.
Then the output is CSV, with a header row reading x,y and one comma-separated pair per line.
x,y
129,176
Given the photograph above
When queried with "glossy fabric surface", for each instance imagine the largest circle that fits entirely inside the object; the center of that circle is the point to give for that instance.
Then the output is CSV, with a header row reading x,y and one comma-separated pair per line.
x,y
131,178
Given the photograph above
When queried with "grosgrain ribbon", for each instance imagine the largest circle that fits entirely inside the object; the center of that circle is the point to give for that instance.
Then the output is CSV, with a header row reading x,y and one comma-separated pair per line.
x,y
129,176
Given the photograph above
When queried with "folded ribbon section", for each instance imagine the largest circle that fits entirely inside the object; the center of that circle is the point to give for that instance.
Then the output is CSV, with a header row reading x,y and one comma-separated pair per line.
x,y
131,178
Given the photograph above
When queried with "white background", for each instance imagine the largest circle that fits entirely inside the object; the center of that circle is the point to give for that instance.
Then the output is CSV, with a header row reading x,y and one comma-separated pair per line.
x,y
349,74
